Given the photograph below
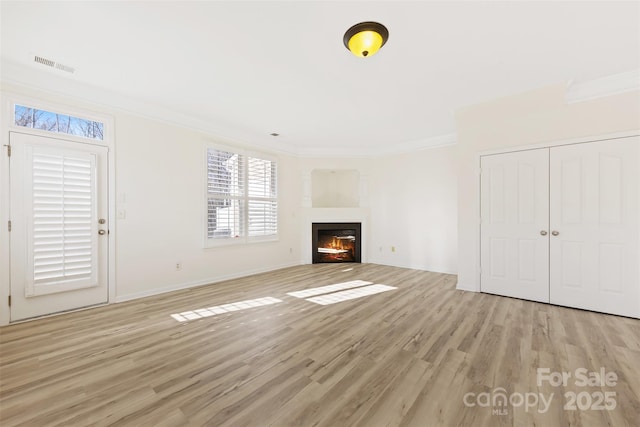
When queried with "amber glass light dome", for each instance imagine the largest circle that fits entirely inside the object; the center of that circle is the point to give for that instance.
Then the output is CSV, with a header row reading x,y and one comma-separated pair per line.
x,y
366,38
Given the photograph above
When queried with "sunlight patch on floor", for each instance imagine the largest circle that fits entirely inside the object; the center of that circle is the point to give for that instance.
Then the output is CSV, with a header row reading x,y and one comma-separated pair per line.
x,y
328,289
225,308
350,294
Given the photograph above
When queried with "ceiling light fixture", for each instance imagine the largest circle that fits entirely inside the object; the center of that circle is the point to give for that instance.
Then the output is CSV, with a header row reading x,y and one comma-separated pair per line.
x,y
366,38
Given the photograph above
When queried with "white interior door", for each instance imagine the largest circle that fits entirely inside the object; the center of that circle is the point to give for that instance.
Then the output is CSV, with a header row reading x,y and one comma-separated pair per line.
x,y
594,226
514,226
59,233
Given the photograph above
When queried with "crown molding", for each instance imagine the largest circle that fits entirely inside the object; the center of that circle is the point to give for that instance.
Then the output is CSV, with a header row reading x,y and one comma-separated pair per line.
x,y
70,88
604,86
392,149
421,144
20,75
30,77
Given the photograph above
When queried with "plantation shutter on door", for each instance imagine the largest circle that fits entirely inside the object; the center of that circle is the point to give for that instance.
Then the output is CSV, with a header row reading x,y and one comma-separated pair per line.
x,y
61,226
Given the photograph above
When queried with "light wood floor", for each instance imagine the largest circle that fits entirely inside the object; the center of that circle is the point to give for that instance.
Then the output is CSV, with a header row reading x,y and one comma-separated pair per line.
x,y
406,357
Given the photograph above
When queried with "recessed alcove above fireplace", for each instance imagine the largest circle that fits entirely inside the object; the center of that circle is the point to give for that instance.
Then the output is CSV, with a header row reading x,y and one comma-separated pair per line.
x,y
335,188
337,195
336,242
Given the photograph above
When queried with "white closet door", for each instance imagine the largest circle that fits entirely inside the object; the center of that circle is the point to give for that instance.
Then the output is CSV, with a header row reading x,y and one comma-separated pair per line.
x,y
594,226
514,225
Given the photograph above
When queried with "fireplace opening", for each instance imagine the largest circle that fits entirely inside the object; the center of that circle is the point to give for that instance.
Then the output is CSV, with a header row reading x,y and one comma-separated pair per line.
x,y
335,242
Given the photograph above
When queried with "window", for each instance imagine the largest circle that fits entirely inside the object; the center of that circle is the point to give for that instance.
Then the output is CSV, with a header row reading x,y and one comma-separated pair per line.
x,y
35,118
241,196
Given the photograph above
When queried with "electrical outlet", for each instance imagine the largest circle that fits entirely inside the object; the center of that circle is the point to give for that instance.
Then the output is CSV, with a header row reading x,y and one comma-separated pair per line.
x,y
178,266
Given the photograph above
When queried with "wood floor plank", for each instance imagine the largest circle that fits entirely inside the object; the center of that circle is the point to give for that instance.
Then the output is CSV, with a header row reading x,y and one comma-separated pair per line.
x,y
424,354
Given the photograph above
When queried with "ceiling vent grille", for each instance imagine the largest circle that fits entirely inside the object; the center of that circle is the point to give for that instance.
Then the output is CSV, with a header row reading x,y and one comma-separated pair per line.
x,y
44,61
53,64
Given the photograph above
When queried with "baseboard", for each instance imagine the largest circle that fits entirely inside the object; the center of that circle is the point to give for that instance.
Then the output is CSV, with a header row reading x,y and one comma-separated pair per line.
x,y
466,287
210,281
374,260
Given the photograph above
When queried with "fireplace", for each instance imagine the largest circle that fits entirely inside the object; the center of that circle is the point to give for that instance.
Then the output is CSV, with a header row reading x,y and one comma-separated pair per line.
x,y
335,242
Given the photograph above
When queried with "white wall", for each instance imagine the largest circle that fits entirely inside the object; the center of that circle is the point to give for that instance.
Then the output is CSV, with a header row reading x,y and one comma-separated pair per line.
x,y
160,176
424,204
535,117
160,185
413,210
333,209
407,201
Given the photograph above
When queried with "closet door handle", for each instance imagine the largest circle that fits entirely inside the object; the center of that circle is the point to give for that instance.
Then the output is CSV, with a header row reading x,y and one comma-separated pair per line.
x,y
555,233
543,232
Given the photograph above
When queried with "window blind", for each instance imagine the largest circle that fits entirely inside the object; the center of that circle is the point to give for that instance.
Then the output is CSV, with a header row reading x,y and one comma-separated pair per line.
x,y
262,199
225,186
225,173
241,195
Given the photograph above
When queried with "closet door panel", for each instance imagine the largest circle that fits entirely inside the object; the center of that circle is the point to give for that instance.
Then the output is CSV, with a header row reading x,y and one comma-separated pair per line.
x,y
514,209
594,222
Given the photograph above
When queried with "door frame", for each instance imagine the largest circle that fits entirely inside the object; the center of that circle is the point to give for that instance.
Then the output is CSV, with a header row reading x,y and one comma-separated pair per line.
x,y
549,144
7,126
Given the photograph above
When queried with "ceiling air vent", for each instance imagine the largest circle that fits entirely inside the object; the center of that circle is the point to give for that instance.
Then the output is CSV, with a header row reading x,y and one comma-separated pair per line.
x,y
53,64
44,61
66,68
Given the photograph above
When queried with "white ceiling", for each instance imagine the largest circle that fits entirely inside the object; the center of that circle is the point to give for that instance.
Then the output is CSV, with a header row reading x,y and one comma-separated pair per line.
x,y
246,69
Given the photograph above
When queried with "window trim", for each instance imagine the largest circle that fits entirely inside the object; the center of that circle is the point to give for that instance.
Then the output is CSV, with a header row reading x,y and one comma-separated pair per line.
x,y
246,239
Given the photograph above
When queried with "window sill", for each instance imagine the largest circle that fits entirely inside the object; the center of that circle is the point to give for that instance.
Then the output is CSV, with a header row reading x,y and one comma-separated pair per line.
x,y
238,241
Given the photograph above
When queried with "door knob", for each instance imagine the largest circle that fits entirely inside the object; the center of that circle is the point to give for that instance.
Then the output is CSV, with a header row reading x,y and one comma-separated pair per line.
x,y
101,232
555,233
543,232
